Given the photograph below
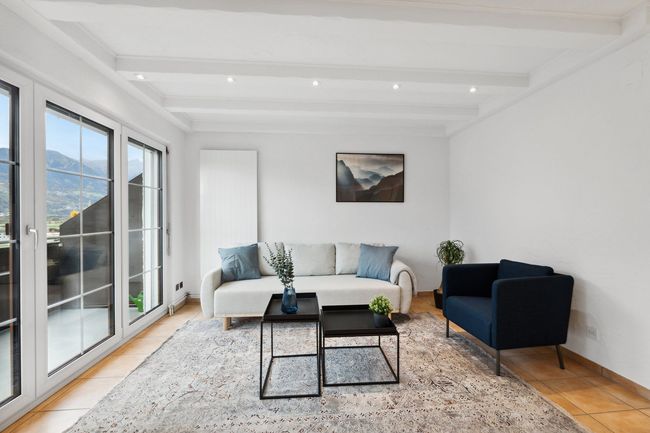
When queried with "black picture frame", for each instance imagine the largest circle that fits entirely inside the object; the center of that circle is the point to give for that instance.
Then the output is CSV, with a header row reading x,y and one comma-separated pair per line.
x,y
354,189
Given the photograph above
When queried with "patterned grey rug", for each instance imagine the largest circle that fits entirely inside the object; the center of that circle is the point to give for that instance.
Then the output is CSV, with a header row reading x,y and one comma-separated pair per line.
x,y
204,379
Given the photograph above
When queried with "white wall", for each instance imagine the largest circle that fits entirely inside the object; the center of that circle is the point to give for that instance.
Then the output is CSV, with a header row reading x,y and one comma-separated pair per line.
x,y
33,54
297,200
563,179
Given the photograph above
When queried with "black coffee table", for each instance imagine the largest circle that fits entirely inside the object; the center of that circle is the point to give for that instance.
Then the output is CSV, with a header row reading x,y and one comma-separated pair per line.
x,y
355,321
308,311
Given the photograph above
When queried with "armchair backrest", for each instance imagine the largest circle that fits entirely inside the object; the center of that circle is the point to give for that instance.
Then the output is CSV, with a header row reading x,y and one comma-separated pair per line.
x,y
512,269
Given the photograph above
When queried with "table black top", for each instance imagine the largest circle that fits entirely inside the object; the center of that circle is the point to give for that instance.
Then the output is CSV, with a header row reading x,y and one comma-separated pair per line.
x,y
352,321
308,310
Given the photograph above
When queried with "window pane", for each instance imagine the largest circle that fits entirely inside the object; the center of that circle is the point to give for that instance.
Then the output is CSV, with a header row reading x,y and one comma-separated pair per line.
x,y
63,269
96,200
5,127
9,347
63,333
62,142
150,249
136,163
63,204
8,281
6,200
150,208
94,150
153,296
136,253
97,317
135,207
151,167
98,261
136,298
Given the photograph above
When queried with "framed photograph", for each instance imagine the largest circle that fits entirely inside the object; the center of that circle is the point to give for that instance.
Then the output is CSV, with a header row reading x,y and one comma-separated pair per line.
x,y
370,177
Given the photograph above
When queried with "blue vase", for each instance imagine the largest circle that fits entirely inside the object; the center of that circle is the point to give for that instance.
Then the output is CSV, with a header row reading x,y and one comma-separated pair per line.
x,y
289,301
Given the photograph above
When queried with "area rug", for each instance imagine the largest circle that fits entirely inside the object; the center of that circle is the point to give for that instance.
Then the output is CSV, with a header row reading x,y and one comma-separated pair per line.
x,y
205,379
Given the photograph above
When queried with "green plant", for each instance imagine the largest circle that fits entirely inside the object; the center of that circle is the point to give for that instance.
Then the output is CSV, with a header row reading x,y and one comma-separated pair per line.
x,y
138,301
380,305
282,264
450,253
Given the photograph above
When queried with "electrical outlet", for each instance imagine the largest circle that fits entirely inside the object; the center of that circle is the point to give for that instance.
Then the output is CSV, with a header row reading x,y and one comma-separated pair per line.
x,y
592,332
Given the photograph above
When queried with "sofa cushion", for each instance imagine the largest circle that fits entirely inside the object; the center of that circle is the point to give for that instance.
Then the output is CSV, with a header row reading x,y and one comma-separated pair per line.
x,y
239,263
510,269
375,262
263,251
472,313
250,297
347,258
312,259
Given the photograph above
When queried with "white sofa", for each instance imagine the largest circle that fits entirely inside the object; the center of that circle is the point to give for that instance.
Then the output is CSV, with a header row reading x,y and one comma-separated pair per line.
x,y
327,269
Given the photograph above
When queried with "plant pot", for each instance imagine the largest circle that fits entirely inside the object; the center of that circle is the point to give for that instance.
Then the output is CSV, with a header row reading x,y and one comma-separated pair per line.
x,y
381,321
437,298
289,301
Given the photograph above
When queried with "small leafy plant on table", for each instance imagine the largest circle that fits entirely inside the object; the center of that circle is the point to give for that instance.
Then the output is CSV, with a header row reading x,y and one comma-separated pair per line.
x,y
381,307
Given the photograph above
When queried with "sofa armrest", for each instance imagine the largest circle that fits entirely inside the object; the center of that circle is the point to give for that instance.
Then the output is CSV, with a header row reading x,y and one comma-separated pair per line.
x,y
210,282
468,280
404,277
532,311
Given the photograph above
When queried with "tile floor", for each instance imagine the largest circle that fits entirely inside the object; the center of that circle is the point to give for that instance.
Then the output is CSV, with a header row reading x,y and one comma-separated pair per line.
x,y
596,402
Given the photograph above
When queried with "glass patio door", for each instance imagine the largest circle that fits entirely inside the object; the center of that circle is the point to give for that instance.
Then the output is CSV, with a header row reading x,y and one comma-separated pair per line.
x,y
10,339
145,216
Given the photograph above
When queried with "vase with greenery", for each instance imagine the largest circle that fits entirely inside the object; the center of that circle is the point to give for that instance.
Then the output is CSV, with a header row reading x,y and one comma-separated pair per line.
x,y
282,263
381,308
449,253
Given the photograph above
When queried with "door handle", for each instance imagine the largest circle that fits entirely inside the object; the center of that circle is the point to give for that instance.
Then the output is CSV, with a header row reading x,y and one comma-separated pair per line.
x,y
31,230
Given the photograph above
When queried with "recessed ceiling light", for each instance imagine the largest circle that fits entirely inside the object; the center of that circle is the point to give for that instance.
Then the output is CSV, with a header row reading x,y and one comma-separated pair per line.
x,y
473,89
139,77
396,86
230,79
315,83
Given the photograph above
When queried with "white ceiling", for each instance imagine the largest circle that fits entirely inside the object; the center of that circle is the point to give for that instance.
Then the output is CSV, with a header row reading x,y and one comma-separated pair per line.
x,y
435,49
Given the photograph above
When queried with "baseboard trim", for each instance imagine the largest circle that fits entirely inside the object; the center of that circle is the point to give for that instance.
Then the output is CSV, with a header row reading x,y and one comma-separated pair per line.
x,y
609,374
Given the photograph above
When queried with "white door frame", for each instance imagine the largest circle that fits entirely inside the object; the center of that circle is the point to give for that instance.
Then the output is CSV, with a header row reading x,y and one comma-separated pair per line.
x,y
153,315
27,328
45,382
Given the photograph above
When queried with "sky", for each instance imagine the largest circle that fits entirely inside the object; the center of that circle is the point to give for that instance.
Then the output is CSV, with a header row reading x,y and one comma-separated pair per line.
x,y
63,136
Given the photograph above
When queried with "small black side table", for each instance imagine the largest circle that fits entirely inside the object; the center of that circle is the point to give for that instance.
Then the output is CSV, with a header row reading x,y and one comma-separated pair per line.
x,y
355,321
308,311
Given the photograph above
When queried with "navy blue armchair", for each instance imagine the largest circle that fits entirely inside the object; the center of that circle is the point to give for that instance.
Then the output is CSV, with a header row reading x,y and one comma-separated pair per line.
x,y
509,305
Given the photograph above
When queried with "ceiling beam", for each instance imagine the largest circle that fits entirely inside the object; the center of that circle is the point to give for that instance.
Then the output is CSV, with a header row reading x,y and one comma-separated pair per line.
x,y
188,67
319,109
417,12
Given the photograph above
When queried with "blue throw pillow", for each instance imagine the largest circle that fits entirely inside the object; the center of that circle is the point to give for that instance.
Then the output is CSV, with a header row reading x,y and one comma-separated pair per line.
x,y
239,263
375,262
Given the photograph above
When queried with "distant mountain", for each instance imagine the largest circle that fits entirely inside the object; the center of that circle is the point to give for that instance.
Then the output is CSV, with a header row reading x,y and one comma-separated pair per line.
x,y
385,170
346,184
366,183
390,188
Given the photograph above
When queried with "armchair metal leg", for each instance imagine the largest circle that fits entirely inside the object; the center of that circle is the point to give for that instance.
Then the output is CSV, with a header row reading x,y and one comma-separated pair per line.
x,y
447,328
560,357
498,367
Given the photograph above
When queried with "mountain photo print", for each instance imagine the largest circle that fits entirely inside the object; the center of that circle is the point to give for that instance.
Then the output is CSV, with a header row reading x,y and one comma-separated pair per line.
x,y
369,177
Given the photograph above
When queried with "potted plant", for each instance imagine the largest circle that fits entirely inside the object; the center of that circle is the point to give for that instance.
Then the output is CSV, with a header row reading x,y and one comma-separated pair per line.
x,y
381,308
282,264
138,301
449,253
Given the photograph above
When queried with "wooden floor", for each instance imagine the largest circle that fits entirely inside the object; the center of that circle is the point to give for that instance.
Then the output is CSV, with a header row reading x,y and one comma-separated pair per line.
x,y
596,402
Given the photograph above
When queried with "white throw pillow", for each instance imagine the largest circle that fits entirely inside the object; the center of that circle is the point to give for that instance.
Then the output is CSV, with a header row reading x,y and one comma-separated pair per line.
x,y
347,258
262,251
312,259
